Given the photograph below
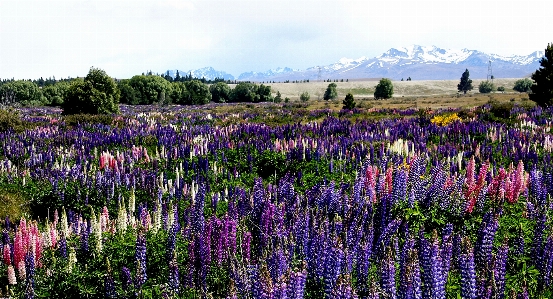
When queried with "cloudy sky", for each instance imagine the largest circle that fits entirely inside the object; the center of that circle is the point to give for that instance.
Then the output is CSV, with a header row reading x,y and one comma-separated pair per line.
x,y
64,38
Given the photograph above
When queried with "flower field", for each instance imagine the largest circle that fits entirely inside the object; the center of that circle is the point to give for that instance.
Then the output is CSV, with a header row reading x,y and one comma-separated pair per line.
x,y
279,202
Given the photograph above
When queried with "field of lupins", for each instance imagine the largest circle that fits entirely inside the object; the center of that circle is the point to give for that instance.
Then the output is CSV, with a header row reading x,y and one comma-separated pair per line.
x,y
278,203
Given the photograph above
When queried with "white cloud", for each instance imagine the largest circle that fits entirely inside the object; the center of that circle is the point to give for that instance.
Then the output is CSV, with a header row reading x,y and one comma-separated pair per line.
x,y
126,37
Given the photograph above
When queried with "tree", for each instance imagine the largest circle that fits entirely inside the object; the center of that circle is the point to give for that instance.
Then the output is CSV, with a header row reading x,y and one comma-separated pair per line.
x,y
384,89
264,92
179,93
330,93
304,97
278,97
97,93
349,102
542,89
501,89
220,92
466,83
244,92
198,92
523,85
149,89
56,93
486,87
25,93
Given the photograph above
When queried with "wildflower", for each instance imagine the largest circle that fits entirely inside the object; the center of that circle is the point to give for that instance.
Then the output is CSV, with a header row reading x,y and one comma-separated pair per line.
x,y
11,275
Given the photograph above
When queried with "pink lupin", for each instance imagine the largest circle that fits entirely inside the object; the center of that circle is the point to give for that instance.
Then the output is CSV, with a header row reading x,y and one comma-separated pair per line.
x,y
11,275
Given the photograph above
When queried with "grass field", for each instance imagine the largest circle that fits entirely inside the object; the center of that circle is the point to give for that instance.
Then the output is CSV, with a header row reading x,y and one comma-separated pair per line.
x,y
432,94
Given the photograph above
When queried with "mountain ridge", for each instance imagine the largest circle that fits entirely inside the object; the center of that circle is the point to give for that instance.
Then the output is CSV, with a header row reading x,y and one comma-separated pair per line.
x,y
415,61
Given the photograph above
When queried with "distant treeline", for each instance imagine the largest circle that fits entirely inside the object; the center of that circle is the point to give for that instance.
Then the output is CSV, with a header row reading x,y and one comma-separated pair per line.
x,y
142,89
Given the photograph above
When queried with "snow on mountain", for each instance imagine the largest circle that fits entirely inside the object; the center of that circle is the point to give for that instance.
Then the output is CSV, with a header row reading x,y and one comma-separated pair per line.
x,y
208,73
415,61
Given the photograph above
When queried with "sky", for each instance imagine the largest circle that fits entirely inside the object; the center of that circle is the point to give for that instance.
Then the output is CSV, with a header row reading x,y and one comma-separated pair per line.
x,y
65,38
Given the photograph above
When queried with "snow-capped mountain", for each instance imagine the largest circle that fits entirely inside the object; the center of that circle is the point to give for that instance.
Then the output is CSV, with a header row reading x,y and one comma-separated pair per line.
x,y
257,76
417,62
208,73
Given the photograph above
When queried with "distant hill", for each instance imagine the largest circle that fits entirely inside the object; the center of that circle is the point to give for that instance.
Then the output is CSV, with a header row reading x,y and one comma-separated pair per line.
x,y
417,62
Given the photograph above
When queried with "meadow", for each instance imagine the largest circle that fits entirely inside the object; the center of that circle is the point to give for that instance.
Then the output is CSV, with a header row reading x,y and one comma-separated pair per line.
x,y
446,198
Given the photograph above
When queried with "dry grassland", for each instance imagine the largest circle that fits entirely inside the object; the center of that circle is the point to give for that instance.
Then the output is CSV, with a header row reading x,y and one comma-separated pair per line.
x,y
432,94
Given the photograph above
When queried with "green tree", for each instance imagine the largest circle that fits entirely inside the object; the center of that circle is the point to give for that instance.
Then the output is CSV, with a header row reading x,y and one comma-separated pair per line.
x,y
198,92
304,97
179,93
330,92
22,92
129,95
149,89
278,97
348,102
486,87
220,92
56,93
244,92
384,89
465,84
542,89
523,85
97,93
264,92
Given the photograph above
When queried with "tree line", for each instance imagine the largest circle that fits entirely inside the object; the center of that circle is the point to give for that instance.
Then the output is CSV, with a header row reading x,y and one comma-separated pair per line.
x,y
145,89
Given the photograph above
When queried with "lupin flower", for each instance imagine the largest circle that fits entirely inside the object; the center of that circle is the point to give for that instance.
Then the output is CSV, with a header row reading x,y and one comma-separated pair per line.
x,y
109,287
11,275
468,273
499,270
7,254
126,279
140,258
174,275
388,274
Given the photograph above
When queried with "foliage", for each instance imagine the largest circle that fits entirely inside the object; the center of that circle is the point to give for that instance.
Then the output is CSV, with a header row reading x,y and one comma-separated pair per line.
x,y
348,102
25,93
220,92
501,89
486,87
523,85
330,92
198,92
278,97
146,90
384,89
245,92
465,84
55,93
179,93
304,97
542,89
445,119
96,94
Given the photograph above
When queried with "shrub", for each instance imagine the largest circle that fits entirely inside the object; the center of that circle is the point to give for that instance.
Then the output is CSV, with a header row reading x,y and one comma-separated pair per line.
x,y
523,85
501,89
384,89
349,102
485,87
96,94
304,97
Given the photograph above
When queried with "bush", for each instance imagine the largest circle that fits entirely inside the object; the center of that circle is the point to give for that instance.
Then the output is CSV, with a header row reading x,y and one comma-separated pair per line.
x,y
304,97
384,89
485,87
523,85
501,89
330,93
349,102
96,94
